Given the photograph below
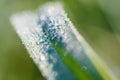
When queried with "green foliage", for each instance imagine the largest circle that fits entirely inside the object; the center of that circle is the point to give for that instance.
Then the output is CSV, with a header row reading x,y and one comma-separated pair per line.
x,y
98,23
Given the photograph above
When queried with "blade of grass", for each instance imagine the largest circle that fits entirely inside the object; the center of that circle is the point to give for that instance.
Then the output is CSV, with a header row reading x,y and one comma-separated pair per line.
x,y
50,42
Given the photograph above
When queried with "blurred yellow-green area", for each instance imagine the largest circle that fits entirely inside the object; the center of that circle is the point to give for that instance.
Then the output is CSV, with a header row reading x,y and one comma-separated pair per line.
x,y
97,20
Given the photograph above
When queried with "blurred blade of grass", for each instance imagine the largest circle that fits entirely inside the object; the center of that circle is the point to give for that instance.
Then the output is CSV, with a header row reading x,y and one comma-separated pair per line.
x,y
15,63
81,66
90,73
92,23
112,13
100,36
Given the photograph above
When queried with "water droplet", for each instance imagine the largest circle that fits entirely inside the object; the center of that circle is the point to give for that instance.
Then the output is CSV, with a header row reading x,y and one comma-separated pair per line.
x,y
84,68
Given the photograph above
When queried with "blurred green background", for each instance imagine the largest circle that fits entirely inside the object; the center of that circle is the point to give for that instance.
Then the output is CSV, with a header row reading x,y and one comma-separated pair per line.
x,y
97,20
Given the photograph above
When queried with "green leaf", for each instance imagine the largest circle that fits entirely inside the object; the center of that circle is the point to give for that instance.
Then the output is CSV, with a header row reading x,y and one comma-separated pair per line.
x,y
57,47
